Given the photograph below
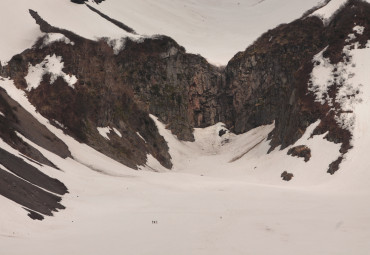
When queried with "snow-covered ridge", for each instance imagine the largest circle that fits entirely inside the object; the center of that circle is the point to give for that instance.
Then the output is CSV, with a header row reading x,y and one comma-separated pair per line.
x,y
327,12
55,37
216,32
52,65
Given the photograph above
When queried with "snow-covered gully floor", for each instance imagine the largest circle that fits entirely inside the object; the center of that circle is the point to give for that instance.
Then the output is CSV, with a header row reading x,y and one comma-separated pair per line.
x,y
206,205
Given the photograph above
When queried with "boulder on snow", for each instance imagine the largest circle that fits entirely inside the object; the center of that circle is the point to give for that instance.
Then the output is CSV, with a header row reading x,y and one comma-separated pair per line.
x,y
301,151
222,132
286,176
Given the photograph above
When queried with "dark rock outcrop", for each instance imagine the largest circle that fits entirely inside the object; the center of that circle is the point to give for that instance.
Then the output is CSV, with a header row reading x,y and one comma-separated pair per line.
x,y
17,119
28,195
263,82
34,215
78,1
181,89
27,172
286,176
101,98
302,110
115,22
301,151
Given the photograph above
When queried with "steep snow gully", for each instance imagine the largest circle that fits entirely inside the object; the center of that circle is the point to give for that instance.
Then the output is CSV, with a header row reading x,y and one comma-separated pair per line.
x,y
224,193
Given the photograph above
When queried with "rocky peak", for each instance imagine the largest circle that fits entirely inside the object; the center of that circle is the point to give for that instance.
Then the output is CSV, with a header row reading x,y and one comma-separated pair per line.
x,y
118,87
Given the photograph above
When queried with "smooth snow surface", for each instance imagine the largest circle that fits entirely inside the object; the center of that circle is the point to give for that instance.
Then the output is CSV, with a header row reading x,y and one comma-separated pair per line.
x,y
201,209
51,65
224,196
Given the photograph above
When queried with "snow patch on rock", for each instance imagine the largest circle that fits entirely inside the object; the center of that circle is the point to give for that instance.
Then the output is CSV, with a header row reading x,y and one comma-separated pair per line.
x,y
322,77
52,65
104,131
350,77
327,12
141,136
117,45
359,29
117,132
59,124
55,37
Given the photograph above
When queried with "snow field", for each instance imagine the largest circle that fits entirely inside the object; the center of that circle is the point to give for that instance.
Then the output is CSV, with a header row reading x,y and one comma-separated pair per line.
x,y
204,205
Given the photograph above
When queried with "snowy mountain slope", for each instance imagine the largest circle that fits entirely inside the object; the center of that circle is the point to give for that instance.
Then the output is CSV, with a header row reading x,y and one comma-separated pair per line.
x,y
23,32
200,203
215,29
216,33
224,194
202,211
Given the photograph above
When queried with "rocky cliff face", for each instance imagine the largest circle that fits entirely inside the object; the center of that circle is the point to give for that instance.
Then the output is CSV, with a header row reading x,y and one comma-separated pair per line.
x,y
99,99
119,87
270,81
262,80
20,181
181,89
